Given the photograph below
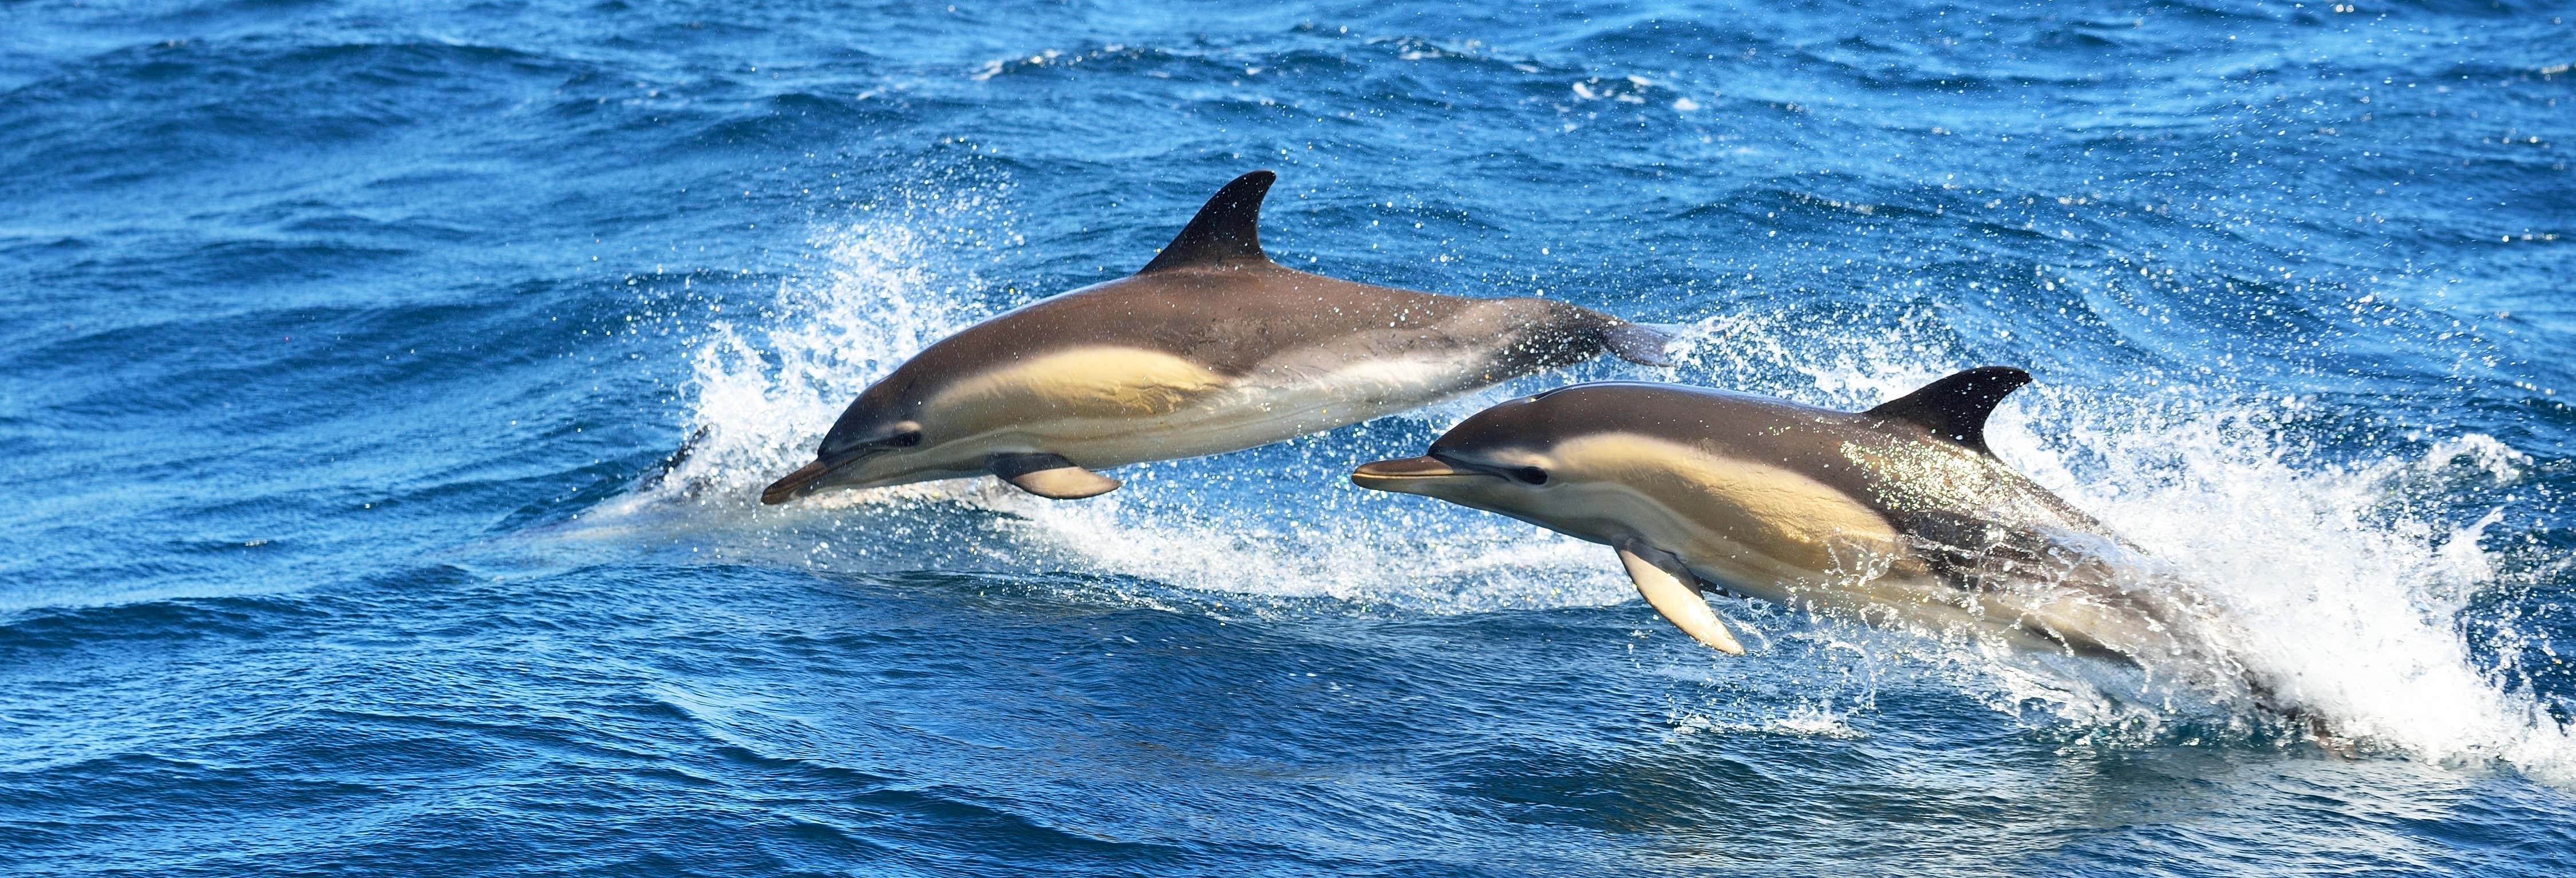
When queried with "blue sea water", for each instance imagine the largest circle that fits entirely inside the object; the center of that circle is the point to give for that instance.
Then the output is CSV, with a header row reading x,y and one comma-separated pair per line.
x,y
342,346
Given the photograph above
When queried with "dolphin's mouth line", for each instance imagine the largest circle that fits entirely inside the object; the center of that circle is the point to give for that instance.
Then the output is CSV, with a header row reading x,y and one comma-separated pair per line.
x,y
1426,467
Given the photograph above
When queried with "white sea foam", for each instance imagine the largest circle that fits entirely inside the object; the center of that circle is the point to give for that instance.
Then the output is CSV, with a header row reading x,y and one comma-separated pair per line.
x,y
766,392
2349,581
2349,577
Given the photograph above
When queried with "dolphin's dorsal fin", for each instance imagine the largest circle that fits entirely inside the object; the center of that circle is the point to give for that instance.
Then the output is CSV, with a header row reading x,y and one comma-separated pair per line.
x,y
1955,408
1227,230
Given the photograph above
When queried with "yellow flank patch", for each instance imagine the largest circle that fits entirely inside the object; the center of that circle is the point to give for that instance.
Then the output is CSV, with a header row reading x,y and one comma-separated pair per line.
x,y
1778,512
1099,382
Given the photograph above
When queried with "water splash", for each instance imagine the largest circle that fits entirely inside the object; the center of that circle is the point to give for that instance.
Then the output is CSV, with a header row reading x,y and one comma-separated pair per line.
x,y
766,392
2351,579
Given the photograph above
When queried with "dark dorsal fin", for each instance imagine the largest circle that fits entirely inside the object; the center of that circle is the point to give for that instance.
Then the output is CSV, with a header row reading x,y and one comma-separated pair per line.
x,y
1955,408
1227,230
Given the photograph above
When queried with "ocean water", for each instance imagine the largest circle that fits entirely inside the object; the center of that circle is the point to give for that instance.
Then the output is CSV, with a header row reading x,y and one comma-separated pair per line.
x,y
343,344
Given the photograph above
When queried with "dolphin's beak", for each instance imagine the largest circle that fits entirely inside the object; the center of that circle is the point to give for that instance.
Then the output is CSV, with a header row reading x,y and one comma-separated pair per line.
x,y
826,463
792,484
1408,475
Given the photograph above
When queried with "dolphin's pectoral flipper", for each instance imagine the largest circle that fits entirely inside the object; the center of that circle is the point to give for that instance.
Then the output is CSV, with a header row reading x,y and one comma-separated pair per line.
x,y
1667,586
1956,408
1050,476
1641,345
1226,231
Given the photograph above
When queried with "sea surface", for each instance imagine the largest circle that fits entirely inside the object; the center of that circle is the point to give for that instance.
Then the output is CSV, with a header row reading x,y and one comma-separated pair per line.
x,y
343,347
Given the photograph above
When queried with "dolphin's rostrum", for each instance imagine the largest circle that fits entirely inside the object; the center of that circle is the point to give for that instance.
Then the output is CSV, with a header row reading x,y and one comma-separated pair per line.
x,y
1899,514
1210,348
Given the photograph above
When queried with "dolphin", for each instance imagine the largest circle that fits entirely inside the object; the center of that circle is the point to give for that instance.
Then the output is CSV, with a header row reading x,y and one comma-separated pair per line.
x,y
1210,348
1899,515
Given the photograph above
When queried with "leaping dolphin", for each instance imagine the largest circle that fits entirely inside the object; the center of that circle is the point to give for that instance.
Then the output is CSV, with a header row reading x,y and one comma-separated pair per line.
x,y
1899,514
1210,348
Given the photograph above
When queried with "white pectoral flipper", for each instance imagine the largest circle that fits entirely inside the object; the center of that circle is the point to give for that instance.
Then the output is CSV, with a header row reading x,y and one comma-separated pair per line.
x,y
1667,586
1050,476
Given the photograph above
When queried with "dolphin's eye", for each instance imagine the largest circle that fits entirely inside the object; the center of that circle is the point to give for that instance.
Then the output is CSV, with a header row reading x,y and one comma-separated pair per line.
x,y
1530,475
905,439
